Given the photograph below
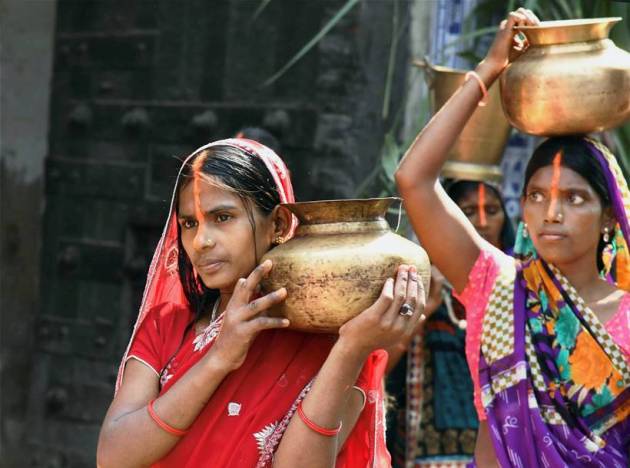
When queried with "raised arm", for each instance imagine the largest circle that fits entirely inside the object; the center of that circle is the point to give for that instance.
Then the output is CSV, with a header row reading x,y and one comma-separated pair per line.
x,y
443,230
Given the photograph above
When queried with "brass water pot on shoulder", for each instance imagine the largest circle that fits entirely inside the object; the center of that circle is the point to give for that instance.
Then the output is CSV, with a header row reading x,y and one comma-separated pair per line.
x,y
477,152
336,265
571,79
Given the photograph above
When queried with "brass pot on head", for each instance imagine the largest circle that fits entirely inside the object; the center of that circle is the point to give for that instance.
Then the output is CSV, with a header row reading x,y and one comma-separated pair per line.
x,y
336,265
571,79
477,152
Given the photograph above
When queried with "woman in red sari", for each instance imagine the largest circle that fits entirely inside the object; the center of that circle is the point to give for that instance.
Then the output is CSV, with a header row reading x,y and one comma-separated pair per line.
x,y
208,378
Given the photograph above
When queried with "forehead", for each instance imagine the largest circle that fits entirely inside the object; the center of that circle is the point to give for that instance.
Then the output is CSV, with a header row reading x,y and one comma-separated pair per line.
x,y
544,177
472,195
210,196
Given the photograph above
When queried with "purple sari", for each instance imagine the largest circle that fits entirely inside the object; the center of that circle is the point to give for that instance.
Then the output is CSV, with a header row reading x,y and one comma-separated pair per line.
x,y
554,384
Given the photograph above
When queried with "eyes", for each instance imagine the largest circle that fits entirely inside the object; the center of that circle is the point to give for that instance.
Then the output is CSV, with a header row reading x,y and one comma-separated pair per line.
x,y
191,223
472,210
573,198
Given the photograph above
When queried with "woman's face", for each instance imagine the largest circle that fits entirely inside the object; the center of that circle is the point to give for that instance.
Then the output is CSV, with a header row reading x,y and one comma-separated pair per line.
x,y
483,209
564,215
217,234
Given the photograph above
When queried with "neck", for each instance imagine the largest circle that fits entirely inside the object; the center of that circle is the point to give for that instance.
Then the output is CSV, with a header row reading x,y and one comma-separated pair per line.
x,y
582,274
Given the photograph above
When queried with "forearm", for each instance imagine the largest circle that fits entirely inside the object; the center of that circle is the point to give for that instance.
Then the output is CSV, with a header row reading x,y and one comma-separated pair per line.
x,y
134,439
327,405
421,165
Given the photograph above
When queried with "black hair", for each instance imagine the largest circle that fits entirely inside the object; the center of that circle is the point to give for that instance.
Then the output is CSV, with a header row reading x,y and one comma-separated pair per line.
x,y
577,156
248,177
457,189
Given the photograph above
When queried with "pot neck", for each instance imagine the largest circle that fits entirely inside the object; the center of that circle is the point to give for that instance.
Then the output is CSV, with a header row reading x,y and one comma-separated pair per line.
x,y
343,227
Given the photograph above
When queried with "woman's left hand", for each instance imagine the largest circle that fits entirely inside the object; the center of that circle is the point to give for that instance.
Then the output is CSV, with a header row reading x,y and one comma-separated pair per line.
x,y
384,323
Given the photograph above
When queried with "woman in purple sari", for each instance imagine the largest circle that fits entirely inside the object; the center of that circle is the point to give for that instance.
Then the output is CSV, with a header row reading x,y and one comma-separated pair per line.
x,y
548,337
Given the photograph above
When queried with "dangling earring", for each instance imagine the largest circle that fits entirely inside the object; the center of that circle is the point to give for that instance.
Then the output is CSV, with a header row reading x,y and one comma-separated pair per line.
x,y
606,234
524,246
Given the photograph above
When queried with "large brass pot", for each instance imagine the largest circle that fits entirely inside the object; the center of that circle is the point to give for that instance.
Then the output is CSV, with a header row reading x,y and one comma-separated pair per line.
x,y
477,152
572,79
337,263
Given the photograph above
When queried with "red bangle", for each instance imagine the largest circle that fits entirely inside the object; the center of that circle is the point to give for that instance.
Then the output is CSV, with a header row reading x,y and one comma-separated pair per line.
x,y
482,85
320,430
167,427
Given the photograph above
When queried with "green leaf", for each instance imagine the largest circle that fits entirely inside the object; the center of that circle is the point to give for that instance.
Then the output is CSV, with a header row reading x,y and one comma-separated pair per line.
x,y
471,35
263,4
313,42
391,156
391,62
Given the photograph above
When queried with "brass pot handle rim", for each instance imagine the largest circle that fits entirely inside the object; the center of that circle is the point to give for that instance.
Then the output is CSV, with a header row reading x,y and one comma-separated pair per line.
x,y
569,23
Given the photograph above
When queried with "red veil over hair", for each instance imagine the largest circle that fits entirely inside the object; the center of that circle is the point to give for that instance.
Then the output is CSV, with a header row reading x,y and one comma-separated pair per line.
x,y
245,419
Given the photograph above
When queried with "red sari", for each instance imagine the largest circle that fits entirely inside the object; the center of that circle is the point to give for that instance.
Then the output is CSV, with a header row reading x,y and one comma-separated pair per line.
x,y
244,420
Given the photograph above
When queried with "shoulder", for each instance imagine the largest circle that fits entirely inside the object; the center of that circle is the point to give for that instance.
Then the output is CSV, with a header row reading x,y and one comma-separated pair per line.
x,y
168,314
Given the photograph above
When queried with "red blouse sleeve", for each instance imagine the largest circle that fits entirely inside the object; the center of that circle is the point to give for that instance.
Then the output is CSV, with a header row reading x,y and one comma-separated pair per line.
x,y
159,333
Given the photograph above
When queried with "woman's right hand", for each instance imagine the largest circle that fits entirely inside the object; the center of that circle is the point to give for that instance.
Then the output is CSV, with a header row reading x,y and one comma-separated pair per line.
x,y
245,318
506,47
383,325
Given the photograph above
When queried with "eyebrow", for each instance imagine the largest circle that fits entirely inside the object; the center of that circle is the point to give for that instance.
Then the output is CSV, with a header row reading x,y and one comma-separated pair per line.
x,y
216,209
560,189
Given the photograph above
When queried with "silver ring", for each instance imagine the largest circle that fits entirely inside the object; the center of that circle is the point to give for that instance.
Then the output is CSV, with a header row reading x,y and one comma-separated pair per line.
x,y
406,310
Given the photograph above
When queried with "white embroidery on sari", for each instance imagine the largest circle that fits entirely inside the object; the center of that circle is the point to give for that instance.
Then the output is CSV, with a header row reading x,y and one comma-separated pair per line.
x,y
262,436
272,440
234,408
208,335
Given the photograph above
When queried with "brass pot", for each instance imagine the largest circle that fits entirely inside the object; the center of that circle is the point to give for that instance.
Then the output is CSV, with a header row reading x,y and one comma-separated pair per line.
x,y
477,152
572,79
337,263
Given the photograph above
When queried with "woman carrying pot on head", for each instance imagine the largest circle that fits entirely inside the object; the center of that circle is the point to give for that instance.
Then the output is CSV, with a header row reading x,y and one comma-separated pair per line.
x,y
547,340
434,419
208,378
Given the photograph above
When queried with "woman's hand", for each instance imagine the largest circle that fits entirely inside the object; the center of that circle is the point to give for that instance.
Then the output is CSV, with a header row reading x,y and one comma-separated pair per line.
x,y
383,324
244,320
506,46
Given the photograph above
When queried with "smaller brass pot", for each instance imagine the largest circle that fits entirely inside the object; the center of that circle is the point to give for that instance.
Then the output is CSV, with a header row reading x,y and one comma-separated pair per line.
x,y
337,263
477,152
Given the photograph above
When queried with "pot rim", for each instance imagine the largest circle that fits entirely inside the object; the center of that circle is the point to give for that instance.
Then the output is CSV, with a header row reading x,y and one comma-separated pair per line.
x,y
569,23
330,211
341,200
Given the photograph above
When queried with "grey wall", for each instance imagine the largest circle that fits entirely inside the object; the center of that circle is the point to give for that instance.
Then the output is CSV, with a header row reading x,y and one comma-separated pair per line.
x,y
26,50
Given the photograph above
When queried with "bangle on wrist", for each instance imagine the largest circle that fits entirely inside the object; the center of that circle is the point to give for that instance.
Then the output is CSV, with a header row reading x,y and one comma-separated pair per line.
x,y
482,86
163,425
314,427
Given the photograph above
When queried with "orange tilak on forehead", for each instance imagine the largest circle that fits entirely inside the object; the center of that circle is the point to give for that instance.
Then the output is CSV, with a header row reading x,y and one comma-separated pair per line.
x,y
197,164
481,195
555,183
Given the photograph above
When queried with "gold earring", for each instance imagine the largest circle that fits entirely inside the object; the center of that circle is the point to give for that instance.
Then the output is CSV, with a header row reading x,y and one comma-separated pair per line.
x,y
279,240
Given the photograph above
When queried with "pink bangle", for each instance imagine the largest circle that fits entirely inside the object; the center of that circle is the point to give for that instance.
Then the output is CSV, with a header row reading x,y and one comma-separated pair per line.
x,y
167,427
320,430
482,85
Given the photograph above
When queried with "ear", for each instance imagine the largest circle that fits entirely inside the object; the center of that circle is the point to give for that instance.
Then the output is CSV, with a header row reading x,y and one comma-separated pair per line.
x,y
522,203
281,218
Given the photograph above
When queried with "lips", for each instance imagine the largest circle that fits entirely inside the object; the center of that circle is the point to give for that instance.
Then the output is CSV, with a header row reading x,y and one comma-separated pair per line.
x,y
209,265
551,235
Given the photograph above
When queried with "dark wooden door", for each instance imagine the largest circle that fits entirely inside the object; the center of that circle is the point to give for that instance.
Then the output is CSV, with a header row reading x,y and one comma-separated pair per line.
x,y
136,85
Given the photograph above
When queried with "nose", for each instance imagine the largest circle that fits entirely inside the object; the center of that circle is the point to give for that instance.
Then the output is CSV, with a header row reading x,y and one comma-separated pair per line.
x,y
554,211
203,239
